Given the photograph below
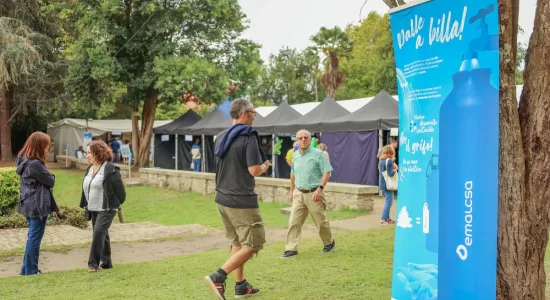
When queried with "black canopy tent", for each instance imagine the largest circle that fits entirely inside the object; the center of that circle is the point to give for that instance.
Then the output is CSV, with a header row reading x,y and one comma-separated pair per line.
x,y
165,143
353,140
327,110
381,113
283,114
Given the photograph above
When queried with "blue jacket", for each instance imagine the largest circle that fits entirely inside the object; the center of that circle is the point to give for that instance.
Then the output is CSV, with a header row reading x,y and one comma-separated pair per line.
x,y
235,131
35,195
391,172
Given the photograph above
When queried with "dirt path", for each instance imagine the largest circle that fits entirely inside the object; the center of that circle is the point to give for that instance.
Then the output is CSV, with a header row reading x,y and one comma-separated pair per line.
x,y
131,252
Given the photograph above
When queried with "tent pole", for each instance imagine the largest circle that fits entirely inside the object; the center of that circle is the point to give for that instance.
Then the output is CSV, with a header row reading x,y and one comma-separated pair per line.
x,y
274,161
203,160
380,144
176,152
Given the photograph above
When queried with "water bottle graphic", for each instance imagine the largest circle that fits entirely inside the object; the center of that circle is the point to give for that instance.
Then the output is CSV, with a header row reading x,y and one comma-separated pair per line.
x,y
425,219
468,190
432,201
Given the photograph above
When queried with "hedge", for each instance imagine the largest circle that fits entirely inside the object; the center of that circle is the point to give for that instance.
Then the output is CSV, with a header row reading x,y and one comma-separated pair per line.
x,y
9,190
71,216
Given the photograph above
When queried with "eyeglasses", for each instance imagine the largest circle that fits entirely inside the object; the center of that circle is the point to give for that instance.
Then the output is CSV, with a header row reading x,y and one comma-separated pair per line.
x,y
252,111
305,138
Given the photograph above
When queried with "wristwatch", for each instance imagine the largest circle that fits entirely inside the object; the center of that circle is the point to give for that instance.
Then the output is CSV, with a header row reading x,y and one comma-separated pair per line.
x,y
321,187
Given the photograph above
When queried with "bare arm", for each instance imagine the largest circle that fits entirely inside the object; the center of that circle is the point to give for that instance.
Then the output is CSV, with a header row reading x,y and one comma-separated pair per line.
x,y
292,187
258,170
319,192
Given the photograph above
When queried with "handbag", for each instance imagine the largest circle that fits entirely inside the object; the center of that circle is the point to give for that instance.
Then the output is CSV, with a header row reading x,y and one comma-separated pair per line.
x,y
391,182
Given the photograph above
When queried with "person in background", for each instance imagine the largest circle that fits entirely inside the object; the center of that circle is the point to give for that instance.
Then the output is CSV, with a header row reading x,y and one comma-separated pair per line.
x,y
387,157
309,175
36,199
115,145
290,152
102,194
80,153
324,149
196,151
395,147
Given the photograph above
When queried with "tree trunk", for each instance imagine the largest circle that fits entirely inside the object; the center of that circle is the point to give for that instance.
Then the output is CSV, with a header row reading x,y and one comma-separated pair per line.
x,y
524,231
5,130
135,131
147,121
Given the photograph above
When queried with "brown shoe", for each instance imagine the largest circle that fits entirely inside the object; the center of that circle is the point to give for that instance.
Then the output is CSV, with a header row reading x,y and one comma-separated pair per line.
x,y
92,270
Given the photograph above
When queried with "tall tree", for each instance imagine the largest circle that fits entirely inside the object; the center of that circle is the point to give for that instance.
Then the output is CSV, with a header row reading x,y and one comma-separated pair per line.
x,y
523,217
335,45
370,67
31,71
288,75
19,55
159,50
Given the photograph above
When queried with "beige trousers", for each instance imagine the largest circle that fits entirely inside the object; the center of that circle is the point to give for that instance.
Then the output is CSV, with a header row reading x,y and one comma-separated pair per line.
x,y
303,204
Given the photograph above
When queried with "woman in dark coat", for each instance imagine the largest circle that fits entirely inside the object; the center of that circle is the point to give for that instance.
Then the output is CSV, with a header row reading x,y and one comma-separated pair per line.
x,y
102,194
36,200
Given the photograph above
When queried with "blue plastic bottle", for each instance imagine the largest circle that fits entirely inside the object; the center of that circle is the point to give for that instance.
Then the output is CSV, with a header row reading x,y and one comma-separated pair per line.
x,y
468,191
432,203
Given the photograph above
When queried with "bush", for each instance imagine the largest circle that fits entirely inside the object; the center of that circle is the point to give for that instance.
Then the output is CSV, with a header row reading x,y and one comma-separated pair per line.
x,y
9,190
72,216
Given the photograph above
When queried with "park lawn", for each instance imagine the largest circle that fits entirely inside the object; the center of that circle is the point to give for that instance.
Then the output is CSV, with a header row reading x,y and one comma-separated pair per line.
x,y
360,268
167,207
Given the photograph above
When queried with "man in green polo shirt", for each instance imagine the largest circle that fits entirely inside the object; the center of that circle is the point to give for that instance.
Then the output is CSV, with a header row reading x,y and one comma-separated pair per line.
x,y
310,172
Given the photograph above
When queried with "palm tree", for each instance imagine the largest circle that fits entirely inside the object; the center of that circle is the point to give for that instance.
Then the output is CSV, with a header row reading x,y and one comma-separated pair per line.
x,y
335,45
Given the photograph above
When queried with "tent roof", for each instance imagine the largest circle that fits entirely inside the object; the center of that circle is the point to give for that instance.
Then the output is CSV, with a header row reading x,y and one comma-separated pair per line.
x,y
381,112
325,111
283,114
104,125
209,125
187,119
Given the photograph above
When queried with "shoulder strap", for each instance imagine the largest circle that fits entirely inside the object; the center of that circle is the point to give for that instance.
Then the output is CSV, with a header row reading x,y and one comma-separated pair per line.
x,y
387,159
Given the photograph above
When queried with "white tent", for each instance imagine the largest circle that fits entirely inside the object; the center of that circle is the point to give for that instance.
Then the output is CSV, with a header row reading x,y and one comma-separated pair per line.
x,y
71,131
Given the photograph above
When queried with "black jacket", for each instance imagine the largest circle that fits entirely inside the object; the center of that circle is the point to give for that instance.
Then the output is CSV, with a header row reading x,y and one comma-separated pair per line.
x,y
35,195
114,193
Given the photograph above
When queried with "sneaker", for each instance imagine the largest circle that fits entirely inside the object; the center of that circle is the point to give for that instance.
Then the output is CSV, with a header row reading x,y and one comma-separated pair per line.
x,y
387,222
289,253
92,270
245,290
216,284
330,248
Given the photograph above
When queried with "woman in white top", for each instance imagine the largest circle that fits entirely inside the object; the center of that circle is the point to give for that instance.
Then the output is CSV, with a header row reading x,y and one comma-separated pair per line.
x,y
102,194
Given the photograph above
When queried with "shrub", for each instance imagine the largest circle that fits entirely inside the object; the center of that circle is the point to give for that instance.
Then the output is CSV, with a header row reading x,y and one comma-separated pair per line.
x,y
72,216
9,190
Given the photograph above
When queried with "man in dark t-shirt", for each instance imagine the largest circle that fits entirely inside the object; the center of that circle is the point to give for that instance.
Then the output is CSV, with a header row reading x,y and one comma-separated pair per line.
x,y
239,158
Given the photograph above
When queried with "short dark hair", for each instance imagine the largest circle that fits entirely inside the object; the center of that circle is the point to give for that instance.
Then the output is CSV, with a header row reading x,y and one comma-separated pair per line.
x,y
100,151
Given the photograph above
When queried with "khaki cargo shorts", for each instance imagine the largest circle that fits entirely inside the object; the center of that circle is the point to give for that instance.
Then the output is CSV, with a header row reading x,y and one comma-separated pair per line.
x,y
244,227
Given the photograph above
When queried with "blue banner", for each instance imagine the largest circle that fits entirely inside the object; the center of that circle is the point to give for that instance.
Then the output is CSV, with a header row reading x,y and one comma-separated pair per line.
x,y
447,63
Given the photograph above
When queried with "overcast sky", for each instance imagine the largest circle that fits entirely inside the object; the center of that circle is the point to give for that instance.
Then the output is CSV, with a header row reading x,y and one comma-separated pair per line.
x,y
278,23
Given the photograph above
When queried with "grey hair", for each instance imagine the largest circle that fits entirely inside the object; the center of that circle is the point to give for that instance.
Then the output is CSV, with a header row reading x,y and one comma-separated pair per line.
x,y
238,107
303,130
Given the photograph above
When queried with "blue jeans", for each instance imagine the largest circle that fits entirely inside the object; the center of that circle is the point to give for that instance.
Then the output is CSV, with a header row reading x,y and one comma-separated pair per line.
x,y
197,165
32,250
388,195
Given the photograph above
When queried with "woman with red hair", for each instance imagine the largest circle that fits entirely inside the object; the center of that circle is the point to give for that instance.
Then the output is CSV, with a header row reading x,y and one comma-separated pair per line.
x,y
36,200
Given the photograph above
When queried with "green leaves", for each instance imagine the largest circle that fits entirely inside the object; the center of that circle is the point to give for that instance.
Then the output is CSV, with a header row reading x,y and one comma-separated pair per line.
x,y
370,66
190,77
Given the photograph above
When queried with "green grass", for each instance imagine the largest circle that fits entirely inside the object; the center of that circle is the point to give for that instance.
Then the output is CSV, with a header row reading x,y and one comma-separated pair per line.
x,y
166,207
359,269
